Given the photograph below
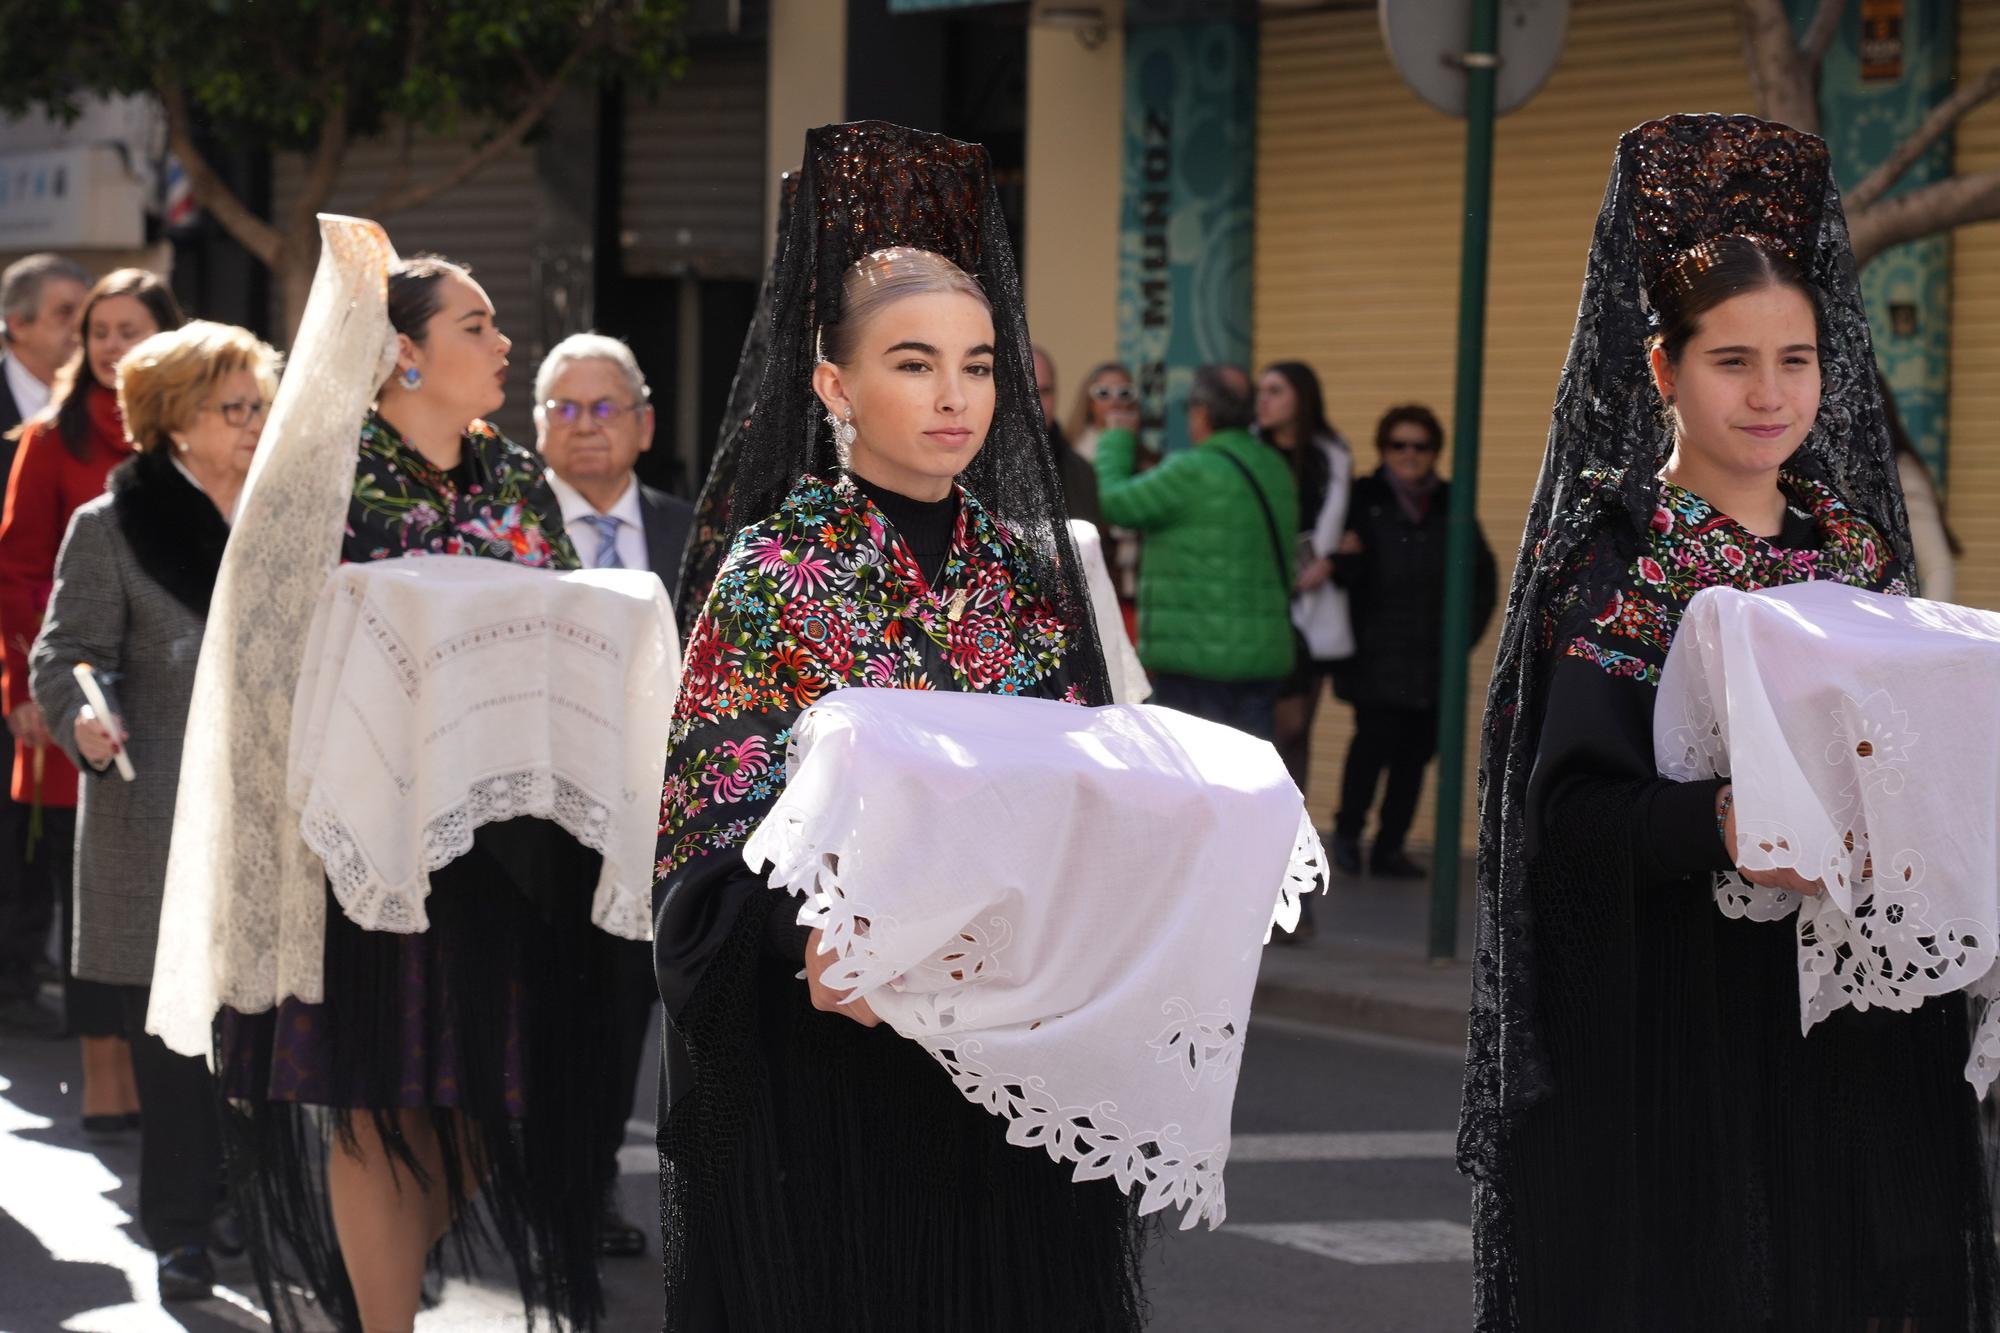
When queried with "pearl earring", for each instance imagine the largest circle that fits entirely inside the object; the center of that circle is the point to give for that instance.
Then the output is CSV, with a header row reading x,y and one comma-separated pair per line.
x,y
181,445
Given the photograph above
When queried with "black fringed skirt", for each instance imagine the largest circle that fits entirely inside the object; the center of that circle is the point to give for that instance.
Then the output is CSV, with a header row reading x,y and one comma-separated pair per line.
x,y
492,1024
822,1177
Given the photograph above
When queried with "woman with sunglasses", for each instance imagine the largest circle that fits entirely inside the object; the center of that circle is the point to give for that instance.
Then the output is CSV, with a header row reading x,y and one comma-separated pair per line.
x,y
132,588
1392,564
1109,400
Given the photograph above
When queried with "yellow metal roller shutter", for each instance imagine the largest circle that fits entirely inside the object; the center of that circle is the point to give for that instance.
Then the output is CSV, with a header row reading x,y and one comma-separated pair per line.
x,y
1973,462
1359,188
484,223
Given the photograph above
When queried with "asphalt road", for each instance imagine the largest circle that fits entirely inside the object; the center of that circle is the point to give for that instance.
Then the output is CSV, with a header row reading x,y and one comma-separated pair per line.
x,y
1344,1211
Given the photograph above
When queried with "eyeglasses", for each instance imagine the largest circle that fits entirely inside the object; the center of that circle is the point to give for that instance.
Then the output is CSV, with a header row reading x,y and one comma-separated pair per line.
x,y
602,411
1403,446
243,411
1113,393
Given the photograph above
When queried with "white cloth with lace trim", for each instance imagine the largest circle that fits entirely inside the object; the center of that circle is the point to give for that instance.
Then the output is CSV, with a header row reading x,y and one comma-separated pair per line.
x,y
1129,684
440,694
1859,731
1065,906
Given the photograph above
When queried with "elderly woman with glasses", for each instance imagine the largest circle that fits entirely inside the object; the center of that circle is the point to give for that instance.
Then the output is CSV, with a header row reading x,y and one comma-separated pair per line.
x,y
132,587
1392,564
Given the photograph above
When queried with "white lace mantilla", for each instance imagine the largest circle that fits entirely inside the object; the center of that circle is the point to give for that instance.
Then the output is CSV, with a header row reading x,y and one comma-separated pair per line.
x,y
1859,732
244,912
443,694
1066,907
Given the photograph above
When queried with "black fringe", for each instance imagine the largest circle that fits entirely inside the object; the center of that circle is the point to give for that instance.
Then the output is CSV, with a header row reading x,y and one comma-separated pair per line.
x,y
510,929
823,1176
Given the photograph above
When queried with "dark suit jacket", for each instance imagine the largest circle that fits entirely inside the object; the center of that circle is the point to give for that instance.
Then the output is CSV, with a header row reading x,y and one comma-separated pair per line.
x,y
10,417
668,520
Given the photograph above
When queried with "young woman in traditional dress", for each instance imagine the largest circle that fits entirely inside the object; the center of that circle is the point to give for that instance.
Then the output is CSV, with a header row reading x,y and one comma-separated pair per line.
x,y
1653,1142
902,527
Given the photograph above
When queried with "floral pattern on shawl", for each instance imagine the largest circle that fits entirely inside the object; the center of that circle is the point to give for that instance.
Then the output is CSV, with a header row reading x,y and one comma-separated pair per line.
x,y
403,505
823,594
1690,546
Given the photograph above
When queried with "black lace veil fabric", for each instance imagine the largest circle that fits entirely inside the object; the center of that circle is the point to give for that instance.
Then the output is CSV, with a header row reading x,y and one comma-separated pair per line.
x,y
1675,183
864,187
709,542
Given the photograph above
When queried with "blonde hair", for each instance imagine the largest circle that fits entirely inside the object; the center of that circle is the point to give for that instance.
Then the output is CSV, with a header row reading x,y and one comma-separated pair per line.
x,y
163,382
878,280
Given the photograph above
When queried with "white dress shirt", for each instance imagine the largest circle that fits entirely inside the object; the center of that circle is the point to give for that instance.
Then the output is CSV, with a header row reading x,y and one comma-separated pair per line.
x,y
583,536
30,394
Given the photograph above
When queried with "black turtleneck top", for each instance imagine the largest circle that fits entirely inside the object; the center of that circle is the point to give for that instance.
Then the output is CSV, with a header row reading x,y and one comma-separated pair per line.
x,y
926,526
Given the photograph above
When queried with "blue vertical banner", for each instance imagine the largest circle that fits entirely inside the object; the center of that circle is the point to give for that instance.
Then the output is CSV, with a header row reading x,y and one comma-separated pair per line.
x,y
1891,64
1185,231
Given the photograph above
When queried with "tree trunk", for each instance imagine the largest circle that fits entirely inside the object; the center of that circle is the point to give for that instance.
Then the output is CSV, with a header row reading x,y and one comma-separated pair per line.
x,y
1782,76
297,259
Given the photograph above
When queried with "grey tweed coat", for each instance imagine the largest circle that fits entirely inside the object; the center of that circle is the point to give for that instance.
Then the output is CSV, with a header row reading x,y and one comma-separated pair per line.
x,y
131,598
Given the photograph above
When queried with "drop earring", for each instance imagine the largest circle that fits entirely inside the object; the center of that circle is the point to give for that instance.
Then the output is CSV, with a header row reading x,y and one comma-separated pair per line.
x,y
412,378
843,431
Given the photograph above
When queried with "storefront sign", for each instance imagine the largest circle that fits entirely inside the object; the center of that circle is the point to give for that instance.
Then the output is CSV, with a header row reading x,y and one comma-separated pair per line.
x,y
1185,231
70,199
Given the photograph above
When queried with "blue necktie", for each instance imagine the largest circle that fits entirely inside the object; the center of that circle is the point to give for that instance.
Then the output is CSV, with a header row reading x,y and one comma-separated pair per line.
x,y
607,526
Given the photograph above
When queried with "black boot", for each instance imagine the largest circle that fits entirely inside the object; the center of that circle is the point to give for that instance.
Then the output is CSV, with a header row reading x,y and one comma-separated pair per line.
x,y
1346,851
1391,863
186,1274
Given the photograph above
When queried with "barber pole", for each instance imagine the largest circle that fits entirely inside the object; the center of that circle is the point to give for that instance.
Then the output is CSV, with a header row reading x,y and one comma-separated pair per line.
x,y
177,205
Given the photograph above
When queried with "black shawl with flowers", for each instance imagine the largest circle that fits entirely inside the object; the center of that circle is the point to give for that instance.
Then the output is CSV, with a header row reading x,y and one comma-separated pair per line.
x,y
778,1209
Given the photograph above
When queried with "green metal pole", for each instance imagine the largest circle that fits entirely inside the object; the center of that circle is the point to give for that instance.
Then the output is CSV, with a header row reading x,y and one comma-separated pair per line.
x,y
1481,74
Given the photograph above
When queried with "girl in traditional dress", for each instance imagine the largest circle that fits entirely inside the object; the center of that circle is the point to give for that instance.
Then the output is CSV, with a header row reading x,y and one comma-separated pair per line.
x,y
905,529
1653,1142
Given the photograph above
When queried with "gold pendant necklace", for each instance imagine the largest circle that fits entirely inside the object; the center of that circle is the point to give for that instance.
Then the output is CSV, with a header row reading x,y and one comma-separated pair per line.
x,y
957,606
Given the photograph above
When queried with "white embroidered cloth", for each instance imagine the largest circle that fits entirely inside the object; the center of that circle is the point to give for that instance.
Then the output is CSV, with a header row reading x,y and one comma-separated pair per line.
x,y
440,694
1129,684
1861,733
1065,906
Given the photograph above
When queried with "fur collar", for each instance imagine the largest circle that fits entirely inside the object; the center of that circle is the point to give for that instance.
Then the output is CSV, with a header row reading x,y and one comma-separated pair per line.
x,y
175,532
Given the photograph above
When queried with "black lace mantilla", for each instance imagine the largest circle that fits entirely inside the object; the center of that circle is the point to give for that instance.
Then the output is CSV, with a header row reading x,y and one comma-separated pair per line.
x,y
863,187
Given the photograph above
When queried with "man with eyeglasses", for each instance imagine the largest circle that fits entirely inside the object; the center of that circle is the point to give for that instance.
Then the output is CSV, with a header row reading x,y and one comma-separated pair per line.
x,y
592,421
1079,478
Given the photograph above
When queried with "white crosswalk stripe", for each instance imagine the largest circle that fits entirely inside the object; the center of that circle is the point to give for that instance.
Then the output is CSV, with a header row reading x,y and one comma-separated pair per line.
x,y
1339,1147
1422,1242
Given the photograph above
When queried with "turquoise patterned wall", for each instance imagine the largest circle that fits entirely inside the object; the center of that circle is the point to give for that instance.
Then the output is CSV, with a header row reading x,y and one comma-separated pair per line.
x,y
1892,62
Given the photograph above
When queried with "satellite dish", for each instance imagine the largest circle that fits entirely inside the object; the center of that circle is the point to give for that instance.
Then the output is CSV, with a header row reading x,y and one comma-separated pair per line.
x,y
1427,39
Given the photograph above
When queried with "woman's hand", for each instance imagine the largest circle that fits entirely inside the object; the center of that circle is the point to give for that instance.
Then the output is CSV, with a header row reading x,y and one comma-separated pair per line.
x,y
94,740
824,997
26,724
1313,573
1350,543
1783,878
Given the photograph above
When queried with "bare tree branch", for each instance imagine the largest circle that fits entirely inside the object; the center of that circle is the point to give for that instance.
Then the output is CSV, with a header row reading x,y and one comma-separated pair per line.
x,y
1780,75
328,156
1936,125
257,236
396,200
1824,28
1927,211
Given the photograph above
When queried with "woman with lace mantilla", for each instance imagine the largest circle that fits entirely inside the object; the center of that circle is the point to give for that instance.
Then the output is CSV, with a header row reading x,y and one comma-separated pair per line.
x,y
439,1075
818,1171
1654,1144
